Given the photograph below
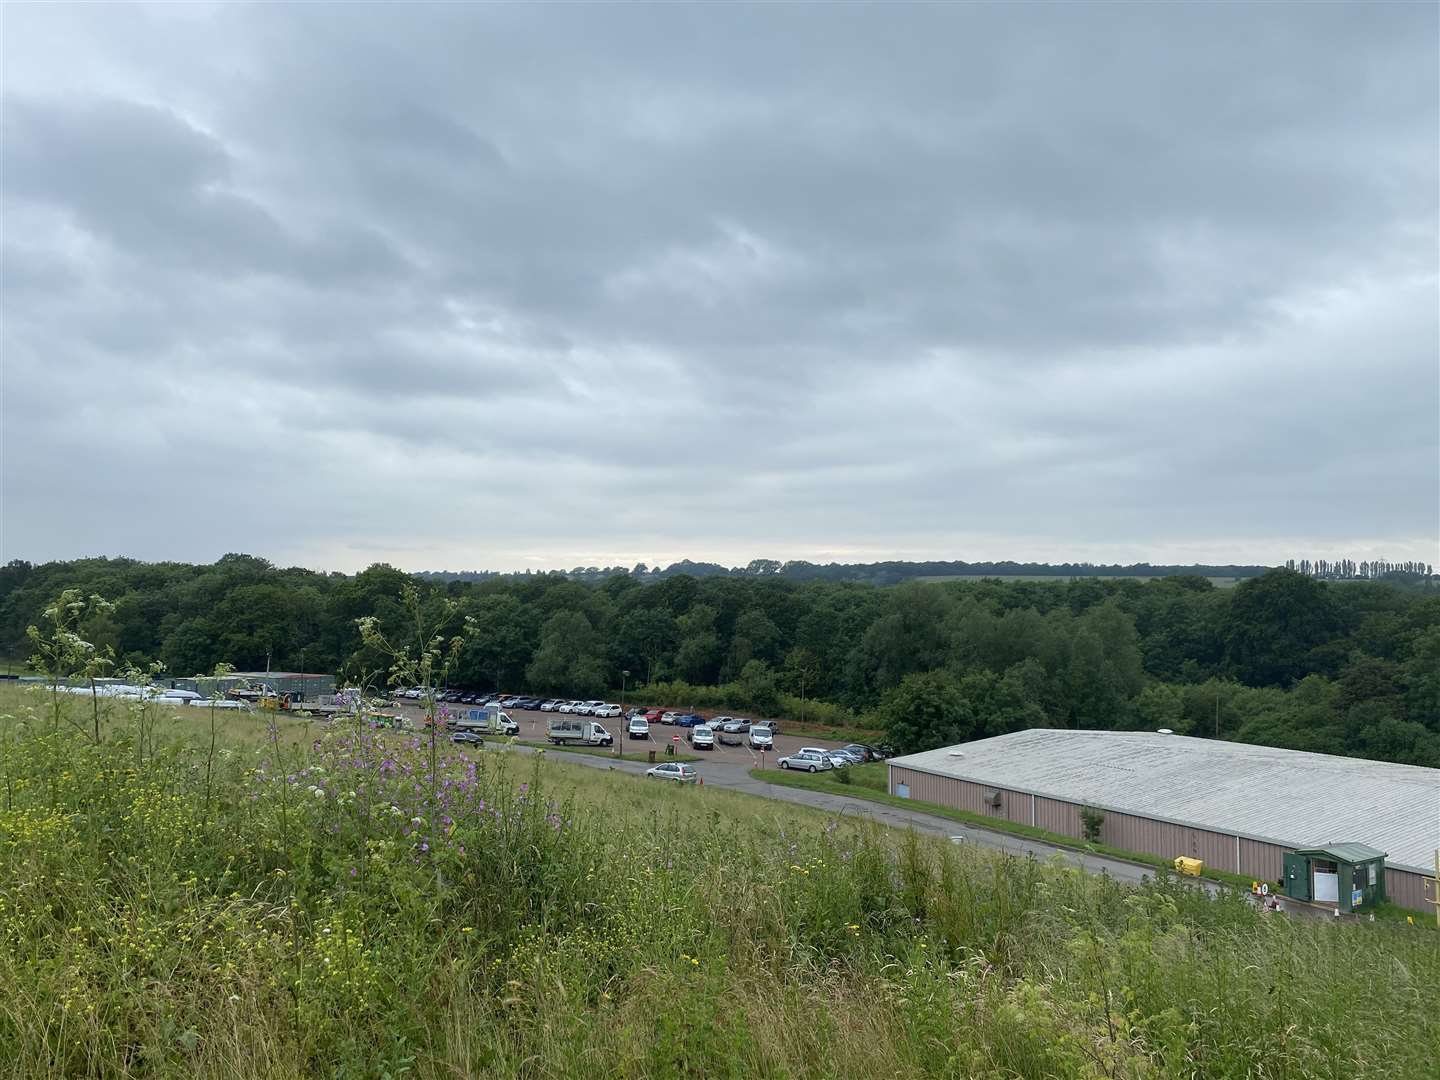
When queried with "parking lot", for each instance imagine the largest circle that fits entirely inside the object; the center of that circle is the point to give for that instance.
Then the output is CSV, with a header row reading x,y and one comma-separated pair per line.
x,y
532,729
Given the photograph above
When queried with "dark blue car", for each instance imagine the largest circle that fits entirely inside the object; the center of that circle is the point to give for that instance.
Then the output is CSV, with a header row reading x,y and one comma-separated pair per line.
x,y
689,719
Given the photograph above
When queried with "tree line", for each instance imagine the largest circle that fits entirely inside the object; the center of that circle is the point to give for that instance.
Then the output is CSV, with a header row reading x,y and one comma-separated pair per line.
x,y
880,573
1366,569
1282,658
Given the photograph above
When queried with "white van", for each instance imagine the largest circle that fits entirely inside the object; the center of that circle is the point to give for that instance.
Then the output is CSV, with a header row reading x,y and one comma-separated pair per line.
x,y
490,720
702,737
560,730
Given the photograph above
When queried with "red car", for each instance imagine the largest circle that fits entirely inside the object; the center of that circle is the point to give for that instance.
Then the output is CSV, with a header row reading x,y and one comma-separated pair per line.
x,y
652,716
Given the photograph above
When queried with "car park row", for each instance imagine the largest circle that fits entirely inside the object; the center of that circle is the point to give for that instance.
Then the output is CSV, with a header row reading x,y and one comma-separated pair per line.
x,y
703,734
640,721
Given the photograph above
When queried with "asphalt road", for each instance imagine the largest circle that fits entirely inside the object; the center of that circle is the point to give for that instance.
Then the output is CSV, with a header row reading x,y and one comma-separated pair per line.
x,y
730,769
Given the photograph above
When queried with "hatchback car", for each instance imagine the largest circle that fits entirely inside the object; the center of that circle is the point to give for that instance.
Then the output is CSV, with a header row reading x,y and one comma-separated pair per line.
x,y
607,710
466,737
810,760
674,770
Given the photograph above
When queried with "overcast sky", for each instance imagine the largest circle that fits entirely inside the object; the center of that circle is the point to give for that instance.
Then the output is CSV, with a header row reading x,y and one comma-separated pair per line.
x,y
505,287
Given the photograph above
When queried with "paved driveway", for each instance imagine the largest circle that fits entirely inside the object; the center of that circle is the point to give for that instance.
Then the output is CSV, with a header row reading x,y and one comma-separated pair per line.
x,y
735,776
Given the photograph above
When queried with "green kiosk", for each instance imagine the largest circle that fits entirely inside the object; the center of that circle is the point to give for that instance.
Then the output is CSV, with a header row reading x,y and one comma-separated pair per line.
x,y
1350,876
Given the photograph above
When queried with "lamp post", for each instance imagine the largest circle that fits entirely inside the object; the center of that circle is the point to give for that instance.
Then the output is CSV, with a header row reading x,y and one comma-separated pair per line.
x,y
624,721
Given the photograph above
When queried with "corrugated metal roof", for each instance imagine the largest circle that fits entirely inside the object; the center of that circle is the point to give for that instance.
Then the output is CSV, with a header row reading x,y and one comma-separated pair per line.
x,y
1350,853
1286,797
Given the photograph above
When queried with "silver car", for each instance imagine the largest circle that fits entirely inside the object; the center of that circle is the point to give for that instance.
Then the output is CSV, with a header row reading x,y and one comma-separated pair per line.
x,y
674,770
807,760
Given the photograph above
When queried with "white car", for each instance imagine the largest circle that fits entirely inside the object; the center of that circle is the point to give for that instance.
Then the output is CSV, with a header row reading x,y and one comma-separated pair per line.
x,y
761,739
669,717
551,705
607,710
637,728
808,759
702,737
567,707
591,706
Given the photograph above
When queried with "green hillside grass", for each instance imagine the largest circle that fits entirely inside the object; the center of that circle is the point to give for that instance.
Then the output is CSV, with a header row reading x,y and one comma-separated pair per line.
x,y
343,901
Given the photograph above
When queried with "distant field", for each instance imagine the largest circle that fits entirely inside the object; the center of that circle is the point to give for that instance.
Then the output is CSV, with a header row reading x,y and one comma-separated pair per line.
x,y
1219,582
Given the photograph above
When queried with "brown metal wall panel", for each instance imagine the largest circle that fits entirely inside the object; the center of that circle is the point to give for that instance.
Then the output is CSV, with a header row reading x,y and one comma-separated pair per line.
x,y
1408,890
1058,816
1261,861
962,795
1016,806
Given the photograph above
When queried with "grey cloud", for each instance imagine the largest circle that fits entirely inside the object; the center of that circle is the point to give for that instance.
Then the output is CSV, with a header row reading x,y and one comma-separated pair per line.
x,y
892,279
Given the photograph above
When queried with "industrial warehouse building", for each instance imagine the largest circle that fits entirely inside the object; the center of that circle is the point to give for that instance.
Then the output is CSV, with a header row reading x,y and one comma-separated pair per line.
x,y
1237,807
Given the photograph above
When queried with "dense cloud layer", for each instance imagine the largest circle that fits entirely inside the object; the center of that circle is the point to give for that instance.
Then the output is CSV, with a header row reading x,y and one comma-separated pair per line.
x,y
507,286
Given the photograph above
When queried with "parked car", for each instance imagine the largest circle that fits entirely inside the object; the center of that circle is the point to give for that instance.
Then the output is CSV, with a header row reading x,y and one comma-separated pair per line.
x,y
653,716
669,718
760,739
869,753
719,722
702,737
637,727
735,726
674,770
726,737
772,726
467,737
550,704
840,760
689,719
607,710
566,707
809,759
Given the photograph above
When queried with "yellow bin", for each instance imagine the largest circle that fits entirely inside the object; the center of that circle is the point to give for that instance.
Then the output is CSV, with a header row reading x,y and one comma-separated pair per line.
x,y
1189,866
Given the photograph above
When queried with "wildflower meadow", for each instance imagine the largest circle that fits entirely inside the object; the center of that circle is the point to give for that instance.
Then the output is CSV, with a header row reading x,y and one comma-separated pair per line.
x,y
281,899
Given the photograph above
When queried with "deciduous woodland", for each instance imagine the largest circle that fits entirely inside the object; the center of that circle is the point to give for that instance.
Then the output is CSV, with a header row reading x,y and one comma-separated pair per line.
x,y
1284,659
